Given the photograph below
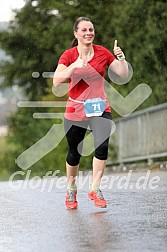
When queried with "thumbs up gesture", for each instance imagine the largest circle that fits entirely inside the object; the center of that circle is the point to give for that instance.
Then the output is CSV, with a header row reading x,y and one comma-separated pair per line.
x,y
118,52
80,63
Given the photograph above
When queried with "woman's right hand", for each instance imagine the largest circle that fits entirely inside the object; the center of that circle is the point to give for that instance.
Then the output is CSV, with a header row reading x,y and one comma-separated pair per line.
x,y
63,72
80,63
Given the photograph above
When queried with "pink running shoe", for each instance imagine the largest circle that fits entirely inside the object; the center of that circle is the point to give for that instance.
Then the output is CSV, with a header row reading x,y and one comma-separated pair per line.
x,y
71,201
98,198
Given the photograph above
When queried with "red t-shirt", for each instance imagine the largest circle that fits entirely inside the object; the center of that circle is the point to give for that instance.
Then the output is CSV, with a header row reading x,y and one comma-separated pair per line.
x,y
86,83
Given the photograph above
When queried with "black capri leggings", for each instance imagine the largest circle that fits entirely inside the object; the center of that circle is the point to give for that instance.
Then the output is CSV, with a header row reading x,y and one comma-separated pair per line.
x,y
75,132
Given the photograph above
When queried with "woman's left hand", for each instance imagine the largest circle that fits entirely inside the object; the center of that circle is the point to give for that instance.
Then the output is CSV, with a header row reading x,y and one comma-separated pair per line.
x,y
117,50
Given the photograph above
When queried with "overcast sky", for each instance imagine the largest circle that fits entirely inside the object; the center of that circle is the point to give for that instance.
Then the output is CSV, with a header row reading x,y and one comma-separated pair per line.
x,y
6,7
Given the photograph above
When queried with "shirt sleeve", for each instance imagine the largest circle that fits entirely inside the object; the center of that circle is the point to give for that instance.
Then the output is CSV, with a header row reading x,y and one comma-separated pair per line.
x,y
65,58
110,56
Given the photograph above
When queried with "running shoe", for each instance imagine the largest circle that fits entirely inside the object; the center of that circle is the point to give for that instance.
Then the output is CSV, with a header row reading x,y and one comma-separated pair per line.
x,y
71,201
98,198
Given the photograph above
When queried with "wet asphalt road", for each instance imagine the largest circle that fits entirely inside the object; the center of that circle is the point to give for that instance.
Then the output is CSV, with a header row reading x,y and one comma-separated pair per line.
x,y
33,220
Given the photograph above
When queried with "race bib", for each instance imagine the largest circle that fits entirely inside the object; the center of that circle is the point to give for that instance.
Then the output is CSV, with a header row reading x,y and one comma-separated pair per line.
x,y
94,107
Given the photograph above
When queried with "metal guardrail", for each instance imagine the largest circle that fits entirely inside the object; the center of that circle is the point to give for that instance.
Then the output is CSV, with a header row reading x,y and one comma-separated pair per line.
x,y
141,136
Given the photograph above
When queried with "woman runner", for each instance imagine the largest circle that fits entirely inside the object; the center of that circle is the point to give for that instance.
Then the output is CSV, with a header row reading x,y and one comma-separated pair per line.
x,y
84,65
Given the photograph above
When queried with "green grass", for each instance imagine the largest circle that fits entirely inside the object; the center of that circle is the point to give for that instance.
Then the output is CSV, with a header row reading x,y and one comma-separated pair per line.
x,y
5,158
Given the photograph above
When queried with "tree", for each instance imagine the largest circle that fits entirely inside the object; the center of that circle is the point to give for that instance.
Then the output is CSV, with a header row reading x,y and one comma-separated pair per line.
x,y
42,30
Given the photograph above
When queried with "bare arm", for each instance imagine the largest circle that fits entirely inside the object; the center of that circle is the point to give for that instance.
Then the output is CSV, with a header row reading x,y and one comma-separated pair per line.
x,y
63,72
120,66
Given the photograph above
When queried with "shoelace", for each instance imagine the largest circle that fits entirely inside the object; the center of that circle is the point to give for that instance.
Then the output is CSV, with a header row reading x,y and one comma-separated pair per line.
x,y
99,194
71,194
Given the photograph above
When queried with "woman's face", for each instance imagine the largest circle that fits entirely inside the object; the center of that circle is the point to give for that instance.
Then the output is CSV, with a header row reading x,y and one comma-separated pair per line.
x,y
85,32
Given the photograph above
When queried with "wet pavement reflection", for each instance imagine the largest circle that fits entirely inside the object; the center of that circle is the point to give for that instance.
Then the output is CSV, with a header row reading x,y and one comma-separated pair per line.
x,y
35,220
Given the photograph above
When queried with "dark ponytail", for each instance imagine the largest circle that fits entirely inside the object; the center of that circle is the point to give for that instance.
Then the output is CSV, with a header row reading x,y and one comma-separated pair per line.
x,y
75,28
74,42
